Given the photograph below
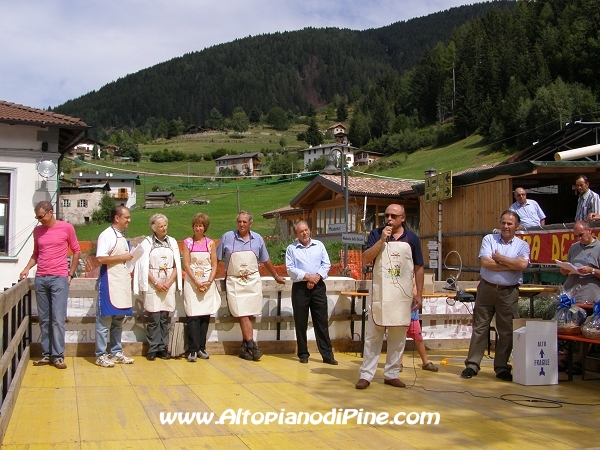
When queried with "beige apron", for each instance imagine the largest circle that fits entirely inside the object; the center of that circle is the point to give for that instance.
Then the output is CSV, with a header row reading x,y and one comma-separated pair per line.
x,y
393,285
200,303
119,277
244,285
161,267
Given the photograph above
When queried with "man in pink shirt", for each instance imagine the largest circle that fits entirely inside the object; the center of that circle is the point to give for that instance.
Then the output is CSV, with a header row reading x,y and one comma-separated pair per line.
x,y
51,242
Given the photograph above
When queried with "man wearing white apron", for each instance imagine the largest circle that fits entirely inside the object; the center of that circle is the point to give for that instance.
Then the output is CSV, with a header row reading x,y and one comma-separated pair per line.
x,y
242,250
114,289
397,257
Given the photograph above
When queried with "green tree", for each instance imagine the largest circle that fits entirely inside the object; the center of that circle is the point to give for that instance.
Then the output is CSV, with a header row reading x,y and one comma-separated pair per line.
x,y
359,133
313,135
317,165
342,111
239,120
277,118
216,119
130,150
255,115
310,110
172,130
102,214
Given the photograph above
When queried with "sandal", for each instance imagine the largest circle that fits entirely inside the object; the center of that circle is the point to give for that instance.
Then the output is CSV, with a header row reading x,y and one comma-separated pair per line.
x,y
430,366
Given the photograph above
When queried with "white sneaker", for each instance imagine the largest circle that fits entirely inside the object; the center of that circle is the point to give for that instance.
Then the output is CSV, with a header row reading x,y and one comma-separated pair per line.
x,y
120,358
202,354
104,361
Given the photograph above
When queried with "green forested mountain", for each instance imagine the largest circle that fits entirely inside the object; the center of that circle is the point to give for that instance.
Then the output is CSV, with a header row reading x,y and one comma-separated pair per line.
x,y
514,72
290,70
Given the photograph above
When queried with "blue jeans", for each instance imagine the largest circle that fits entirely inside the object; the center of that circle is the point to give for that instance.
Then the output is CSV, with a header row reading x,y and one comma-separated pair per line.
x,y
103,323
52,294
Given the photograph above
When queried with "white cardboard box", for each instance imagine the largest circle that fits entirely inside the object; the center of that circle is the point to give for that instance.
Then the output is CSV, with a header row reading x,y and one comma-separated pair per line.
x,y
535,355
429,283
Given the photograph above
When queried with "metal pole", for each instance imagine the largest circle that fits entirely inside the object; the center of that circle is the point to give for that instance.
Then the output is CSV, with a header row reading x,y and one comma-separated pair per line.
x,y
345,190
439,240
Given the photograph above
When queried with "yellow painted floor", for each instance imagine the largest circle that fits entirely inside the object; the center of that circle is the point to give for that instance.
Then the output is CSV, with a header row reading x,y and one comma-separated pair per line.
x,y
88,407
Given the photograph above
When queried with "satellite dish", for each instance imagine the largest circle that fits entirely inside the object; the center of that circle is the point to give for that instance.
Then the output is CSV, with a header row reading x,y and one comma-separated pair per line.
x,y
46,169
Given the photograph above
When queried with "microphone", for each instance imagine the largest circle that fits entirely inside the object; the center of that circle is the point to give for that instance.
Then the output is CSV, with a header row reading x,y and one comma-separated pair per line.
x,y
388,224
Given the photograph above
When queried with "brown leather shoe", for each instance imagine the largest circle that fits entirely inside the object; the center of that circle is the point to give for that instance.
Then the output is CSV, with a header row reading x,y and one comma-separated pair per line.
x,y
395,382
362,384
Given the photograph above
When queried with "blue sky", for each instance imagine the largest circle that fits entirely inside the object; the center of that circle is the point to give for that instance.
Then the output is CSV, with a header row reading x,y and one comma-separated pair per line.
x,y
55,50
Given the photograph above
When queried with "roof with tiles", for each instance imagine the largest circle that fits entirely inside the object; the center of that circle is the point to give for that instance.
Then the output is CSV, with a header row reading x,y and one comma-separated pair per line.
x,y
378,186
475,169
19,114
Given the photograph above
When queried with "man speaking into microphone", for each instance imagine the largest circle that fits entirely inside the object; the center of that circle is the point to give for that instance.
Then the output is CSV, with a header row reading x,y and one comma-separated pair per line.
x,y
397,258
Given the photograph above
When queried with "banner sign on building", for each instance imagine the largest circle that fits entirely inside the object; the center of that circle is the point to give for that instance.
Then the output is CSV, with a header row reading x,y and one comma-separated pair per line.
x,y
548,246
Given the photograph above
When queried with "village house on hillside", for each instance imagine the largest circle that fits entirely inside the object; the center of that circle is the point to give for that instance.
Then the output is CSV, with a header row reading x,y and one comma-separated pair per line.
x,y
32,142
84,150
247,164
122,187
364,158
311,153
78,202
338,132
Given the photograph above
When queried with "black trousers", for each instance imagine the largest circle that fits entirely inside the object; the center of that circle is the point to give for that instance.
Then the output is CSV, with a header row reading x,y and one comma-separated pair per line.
x,y
157,331
315,300
197,328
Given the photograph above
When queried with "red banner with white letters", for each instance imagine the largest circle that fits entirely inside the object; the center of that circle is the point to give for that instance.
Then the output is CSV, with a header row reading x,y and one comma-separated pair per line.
x,y
548,246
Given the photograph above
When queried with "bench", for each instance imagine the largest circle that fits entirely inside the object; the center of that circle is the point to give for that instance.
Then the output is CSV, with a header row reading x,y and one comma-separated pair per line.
x,y
570,340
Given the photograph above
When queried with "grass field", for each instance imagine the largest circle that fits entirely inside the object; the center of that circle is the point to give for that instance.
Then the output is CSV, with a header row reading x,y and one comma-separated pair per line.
x,y
254,196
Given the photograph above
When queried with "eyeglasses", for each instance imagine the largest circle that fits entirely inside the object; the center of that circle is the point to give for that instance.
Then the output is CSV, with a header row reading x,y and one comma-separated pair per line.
x,y
580,235
520,195
42,216
393,216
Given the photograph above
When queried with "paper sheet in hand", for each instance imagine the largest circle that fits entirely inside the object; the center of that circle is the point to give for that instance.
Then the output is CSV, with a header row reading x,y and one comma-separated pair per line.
x,y
136,252
568,267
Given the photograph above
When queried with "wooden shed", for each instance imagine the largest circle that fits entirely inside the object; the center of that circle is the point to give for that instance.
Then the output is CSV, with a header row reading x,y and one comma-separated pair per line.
x,y
159,199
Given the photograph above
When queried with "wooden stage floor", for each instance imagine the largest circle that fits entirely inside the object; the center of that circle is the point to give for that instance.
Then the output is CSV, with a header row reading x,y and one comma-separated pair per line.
x,y
89,407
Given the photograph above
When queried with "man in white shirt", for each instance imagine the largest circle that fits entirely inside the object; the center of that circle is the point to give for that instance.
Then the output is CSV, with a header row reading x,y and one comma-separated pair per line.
x,y
529,211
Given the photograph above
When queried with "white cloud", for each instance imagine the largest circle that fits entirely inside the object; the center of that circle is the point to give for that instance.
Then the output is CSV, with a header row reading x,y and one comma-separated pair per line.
x,y
56,50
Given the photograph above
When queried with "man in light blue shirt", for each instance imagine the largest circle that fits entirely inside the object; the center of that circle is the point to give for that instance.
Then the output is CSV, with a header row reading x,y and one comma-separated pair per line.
x,y
529,211
503,257
307,264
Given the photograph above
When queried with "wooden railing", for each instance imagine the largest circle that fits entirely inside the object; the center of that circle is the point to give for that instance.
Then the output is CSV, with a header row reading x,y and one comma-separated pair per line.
x,y
15,310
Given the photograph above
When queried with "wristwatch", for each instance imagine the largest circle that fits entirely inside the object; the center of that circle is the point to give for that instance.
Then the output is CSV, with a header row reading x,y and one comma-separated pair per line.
x,y
593,271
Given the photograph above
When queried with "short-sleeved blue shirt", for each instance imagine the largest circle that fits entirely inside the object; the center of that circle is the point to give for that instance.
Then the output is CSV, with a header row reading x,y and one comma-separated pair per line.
x,y
232,242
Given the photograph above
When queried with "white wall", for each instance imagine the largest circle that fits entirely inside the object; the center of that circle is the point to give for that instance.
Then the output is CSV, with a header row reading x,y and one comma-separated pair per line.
x,y
20,153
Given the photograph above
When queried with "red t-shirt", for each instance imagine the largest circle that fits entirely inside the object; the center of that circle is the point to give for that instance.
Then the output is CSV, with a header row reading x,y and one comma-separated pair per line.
x,y
50,247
